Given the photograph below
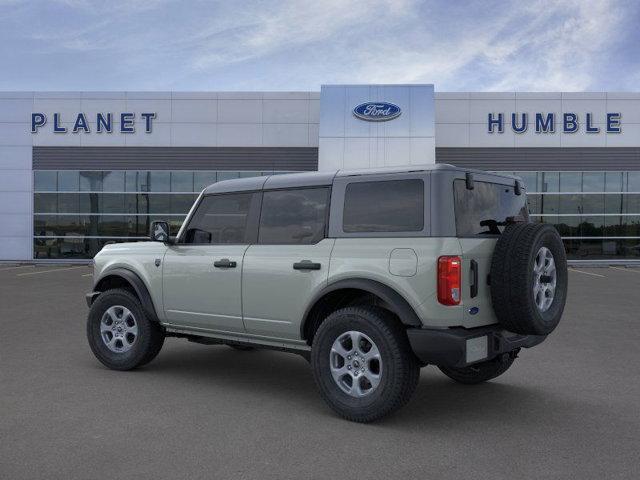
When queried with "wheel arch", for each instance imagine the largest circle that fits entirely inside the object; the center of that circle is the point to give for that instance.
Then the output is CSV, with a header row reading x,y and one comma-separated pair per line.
x,y
336,294
125,278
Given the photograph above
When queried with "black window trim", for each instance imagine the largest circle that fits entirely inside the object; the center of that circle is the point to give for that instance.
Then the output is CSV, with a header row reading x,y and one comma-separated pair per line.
x,y
325,233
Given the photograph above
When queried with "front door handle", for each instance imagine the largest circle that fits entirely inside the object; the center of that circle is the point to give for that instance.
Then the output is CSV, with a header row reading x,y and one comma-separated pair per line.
x,y
224,263
306,265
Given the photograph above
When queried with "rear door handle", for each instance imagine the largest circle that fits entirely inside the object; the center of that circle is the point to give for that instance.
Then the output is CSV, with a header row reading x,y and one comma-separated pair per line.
x,y
224,263
306,265
474,279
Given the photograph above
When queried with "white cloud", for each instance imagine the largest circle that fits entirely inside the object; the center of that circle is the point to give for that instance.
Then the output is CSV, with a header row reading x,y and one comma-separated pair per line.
x,y
541,46
261,31
295,44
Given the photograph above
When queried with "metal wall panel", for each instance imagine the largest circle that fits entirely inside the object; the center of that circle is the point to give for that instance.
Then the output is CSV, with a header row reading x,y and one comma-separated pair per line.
x,y
175,158
523,159
306,159
349,142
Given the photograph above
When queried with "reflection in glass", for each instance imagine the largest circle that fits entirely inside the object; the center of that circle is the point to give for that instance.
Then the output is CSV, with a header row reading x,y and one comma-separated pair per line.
x,y
113,181
592,182
45,181
158,181
613,203
534,203
592,203
202,180
633,182
74,212
549,182
227,175
570,203
182,181
571,181
67,181
550,204
530,180
613,181
91,181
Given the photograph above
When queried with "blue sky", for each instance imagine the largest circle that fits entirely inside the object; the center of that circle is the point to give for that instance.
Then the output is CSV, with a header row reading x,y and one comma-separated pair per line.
x,y
535,45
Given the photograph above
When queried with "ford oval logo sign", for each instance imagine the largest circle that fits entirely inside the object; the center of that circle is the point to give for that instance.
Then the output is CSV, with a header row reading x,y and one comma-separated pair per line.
x,y
377,111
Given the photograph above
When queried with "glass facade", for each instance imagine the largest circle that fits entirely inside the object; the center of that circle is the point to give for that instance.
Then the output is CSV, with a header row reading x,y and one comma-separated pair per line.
x,y
596,213
77,212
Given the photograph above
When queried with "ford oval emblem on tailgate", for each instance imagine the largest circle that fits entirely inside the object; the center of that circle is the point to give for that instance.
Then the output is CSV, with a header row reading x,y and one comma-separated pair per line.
x,y
377,111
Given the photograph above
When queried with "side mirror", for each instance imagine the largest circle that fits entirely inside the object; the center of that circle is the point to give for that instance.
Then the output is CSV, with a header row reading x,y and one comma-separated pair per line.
x,y
160,232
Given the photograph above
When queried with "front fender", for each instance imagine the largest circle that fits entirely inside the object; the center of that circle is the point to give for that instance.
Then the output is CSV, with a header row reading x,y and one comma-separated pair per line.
x,y
133,279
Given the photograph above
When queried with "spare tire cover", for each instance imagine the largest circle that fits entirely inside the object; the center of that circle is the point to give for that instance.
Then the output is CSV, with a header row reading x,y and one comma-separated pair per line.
x,y
529,278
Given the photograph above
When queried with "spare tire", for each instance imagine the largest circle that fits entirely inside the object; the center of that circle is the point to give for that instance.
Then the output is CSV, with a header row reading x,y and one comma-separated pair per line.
x,y
529,278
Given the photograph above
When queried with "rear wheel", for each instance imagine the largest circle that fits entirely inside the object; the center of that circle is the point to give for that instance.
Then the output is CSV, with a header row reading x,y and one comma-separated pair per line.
x,y
480,372
120,333
363,364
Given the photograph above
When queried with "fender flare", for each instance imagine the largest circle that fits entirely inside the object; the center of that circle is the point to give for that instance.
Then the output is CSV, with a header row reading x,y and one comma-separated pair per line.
x,y
138,285
396,302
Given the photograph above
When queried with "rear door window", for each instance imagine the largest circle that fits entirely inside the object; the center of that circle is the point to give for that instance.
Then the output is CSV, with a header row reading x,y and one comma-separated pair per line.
x,y
485,209
295,216
384,206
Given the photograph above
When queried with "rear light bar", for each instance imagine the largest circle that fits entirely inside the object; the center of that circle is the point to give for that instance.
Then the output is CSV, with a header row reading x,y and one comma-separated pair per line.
x,y
449,279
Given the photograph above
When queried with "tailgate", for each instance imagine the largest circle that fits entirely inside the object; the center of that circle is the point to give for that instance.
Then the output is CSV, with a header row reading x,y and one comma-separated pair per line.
x,y
476,265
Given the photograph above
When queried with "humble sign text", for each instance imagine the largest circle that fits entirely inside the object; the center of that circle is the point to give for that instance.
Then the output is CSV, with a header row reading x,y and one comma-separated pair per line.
x,y
551,122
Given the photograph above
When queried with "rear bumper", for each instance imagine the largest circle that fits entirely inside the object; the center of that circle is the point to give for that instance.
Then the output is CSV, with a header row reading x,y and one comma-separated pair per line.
x,y
459,347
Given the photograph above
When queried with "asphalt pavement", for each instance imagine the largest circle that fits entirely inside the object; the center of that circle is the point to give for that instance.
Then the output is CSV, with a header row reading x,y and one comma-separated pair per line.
x,y
569,408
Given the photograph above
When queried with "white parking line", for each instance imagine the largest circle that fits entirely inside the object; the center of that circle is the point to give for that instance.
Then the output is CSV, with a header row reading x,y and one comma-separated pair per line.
x,y
49,271
632,270
88,275
14,268
587,273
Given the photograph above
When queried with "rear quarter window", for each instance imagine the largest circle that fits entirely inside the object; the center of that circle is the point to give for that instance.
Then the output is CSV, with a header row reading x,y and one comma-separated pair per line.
x,y
485,209
384,206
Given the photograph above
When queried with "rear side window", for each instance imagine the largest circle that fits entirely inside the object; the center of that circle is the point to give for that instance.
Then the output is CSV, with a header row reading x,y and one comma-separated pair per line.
x,y
384,206
485,209
221,219
297,216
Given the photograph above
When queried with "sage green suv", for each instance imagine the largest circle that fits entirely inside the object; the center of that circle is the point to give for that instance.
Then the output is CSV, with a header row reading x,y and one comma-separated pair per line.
x,y
370,275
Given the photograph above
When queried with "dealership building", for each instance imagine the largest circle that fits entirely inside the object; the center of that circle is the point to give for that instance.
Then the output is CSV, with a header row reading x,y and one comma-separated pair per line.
x,y
80,169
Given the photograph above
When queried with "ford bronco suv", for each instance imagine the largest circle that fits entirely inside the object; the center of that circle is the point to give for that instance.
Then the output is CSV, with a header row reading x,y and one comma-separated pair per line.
x,y
370,275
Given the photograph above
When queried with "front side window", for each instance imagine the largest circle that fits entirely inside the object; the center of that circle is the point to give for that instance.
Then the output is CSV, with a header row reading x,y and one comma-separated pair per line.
x,y
297,216
221,219
384,206
485,209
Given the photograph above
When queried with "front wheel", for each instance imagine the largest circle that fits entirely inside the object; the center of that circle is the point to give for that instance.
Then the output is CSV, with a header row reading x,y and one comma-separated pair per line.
x,y
363,364
120,333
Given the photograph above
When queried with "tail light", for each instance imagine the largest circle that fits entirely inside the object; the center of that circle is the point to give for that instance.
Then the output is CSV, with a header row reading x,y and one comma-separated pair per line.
x,y
449,268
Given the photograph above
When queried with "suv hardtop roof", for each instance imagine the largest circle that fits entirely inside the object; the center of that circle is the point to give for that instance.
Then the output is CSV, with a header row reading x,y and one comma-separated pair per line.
x,y
311,179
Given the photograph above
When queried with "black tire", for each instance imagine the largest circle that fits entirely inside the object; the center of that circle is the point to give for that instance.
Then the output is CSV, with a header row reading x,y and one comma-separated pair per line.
x,y
147,344
399,373
513,277
480,372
